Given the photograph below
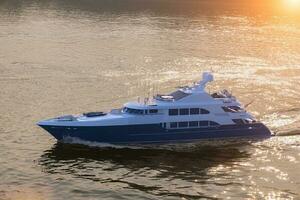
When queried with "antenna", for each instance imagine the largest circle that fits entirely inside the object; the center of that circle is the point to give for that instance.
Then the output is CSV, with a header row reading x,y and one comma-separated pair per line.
x,y
149,93
213,70
248,104
154,89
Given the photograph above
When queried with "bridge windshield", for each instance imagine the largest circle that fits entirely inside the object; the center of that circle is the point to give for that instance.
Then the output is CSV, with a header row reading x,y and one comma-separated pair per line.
x,y
133,111
140,111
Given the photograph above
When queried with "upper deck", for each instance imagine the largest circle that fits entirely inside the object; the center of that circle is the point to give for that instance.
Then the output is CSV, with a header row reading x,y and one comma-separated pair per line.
x,y
194,95
184,106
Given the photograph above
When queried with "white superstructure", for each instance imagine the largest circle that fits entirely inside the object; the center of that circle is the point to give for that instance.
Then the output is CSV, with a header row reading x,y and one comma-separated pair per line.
x,y
187,104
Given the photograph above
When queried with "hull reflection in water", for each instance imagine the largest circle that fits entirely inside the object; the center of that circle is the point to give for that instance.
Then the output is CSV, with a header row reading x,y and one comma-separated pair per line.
x,y
194,160
179,171
153,171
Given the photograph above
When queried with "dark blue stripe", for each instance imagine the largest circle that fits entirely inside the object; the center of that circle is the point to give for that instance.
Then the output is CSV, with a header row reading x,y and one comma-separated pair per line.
x,y
154,133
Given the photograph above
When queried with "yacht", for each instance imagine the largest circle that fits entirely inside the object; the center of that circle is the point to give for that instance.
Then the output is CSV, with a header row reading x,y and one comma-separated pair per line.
x,y
187,115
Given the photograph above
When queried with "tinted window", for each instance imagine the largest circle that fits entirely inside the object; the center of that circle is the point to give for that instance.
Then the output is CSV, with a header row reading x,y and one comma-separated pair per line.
x,y
182,124
184,111
193,124
173,112
203,111
203,123
226,109
153,111
133,111
247,121
233,109
236,108
173,125
194,111
238,121
211,123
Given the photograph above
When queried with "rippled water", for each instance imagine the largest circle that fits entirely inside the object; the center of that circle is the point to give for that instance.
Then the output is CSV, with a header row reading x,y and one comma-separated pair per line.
x,y
71,56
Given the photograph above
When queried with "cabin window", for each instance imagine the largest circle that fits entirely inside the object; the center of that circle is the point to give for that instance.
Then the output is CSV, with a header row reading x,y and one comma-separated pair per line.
x,y
194,111
146,112
133,111
226,109
236,108
153,111
173,111
173,125
232,109
248,121
203,123
193,124
204,111
238,121
184,111
211,123
182,124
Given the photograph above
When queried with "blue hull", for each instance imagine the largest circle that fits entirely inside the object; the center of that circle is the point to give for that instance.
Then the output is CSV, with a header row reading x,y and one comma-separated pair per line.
x,y
154,133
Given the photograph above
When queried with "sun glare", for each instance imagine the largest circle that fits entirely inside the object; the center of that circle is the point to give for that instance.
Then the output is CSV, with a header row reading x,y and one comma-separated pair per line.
x,y
292,4
288,7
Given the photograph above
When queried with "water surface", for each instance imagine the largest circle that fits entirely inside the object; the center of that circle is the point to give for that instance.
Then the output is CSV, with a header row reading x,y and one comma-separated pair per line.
x,y
64,57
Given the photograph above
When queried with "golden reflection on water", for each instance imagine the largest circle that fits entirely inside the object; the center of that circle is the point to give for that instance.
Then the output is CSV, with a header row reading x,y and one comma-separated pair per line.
x,y
61,57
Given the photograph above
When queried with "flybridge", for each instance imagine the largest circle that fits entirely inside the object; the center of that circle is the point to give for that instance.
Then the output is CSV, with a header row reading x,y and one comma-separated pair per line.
x,y
186,91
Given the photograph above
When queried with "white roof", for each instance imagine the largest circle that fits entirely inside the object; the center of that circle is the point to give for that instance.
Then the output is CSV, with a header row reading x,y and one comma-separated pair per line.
x,y
184,97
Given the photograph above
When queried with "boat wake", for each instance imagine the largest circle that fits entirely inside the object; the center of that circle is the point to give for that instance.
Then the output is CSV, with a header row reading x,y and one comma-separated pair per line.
x,y
74,140
288,131
288,128
284,123
166,146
